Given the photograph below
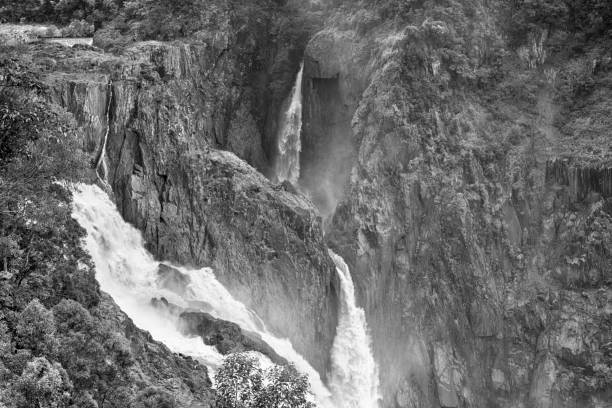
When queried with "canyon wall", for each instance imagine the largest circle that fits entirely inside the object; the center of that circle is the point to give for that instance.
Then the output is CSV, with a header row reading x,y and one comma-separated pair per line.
x,y
476,255
172,106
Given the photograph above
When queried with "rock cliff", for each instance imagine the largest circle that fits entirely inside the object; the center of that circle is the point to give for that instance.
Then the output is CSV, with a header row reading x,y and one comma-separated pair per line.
x,y
172,105
469,241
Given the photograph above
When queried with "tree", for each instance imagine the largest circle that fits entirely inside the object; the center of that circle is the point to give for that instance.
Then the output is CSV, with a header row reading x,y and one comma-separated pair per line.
x,y
241,383
43,385
35,328
9,248
286,389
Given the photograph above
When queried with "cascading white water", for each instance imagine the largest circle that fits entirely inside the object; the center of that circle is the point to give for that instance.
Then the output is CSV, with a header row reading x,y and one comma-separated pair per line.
x,y
289,136
102,161
129,273
354,375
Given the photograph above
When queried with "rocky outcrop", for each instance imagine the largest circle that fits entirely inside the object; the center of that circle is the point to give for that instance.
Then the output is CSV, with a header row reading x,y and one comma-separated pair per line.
x,y
263,243
87,98
227,337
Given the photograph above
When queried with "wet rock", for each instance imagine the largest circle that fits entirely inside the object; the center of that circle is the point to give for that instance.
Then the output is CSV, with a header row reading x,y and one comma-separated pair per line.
x,y
172,279
583,179
164,306
227,337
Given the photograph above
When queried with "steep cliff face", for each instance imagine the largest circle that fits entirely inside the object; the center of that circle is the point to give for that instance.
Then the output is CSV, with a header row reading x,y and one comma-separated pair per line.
x,y
476,268
171,105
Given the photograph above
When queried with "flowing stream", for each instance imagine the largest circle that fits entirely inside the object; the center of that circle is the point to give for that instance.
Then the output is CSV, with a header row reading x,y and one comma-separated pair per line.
x,y
130,274
289,135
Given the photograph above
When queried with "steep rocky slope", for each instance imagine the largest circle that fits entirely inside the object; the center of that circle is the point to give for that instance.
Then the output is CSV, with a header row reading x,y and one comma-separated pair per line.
x,y
480,255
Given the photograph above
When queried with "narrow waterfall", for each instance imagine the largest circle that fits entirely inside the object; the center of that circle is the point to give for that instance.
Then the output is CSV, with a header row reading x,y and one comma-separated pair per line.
x,y
289,135
129,273
102,161
354,375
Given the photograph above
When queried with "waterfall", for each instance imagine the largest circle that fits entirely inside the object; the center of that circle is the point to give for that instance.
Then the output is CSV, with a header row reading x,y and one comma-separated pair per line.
x,y
354,375
289,135
129,273
102,161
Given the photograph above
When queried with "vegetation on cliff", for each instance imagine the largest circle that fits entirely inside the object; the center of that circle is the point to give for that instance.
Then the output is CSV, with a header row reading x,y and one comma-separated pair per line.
x,y
63,12
62,342
450,222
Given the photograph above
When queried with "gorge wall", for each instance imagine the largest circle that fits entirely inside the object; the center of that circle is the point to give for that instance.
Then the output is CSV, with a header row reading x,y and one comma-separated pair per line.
x,y
462,231
174,104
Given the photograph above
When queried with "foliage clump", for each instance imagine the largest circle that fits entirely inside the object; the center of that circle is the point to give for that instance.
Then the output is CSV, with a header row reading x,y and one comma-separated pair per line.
x,y
242,383
62,12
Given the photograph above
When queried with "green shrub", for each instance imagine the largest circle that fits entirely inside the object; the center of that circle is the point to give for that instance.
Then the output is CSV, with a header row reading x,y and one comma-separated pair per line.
x,y
242,383
44,385
152,397
35,329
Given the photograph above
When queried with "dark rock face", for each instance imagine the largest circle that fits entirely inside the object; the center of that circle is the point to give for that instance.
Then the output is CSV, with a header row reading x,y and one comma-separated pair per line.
x,y
581,180
470,258
227,337
262,242
328,149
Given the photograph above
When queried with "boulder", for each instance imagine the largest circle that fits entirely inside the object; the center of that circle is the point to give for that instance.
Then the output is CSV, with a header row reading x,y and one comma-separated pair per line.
x,y
172,279
226,336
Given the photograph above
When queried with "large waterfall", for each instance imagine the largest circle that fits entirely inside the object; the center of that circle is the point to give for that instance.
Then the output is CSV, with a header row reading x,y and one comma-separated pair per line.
x,y
289,136
354,376
130,274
